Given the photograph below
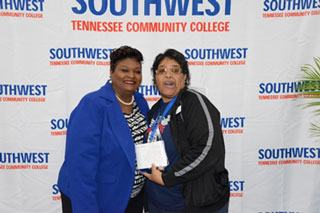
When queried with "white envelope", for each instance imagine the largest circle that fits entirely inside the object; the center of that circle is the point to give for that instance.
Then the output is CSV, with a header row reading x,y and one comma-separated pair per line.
x,y
148,153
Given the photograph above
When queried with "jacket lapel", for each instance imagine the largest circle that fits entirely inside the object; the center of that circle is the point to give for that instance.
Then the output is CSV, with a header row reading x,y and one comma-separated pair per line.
x,y
122,132
118,124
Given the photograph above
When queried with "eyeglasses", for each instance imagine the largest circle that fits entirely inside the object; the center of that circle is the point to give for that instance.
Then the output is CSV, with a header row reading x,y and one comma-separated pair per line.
x,y
163,71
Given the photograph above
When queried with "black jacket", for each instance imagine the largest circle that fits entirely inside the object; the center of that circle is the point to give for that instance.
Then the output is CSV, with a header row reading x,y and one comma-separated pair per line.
x,y
196,131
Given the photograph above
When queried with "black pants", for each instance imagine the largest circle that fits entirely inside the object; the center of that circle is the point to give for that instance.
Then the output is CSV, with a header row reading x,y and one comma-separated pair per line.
x,y
66,204
135,204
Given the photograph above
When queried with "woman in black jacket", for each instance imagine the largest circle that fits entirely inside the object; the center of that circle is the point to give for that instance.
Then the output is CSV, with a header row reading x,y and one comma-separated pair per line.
x,y
196,179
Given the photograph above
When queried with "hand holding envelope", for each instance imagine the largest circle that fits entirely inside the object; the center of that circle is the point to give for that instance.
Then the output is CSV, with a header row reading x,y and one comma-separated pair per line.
x,y
155,176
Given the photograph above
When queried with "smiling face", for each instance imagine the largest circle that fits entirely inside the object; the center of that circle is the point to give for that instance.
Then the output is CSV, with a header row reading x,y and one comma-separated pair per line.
x,y
126,77
169,83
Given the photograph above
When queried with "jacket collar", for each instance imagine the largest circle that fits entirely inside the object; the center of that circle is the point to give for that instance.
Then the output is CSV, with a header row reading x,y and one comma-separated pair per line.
x,y
107,92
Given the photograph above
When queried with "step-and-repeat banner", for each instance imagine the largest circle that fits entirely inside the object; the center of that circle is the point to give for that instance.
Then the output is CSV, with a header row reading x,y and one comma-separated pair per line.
x,y
244,55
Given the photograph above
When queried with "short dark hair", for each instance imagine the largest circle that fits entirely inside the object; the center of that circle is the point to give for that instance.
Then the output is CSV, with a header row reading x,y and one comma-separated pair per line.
x,y
124,52
175,55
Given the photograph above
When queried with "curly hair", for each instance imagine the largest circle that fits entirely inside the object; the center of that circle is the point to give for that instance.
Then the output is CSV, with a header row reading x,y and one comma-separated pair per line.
x,y
175,55
124,52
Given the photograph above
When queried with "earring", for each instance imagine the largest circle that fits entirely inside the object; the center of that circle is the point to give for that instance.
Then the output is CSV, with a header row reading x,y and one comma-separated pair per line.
x,y
110,81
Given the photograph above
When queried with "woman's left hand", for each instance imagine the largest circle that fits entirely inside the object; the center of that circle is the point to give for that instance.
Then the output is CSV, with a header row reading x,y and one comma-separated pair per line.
x,y
155,176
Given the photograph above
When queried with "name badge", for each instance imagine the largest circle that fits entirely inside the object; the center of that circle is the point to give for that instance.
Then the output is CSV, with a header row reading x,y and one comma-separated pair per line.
x,y
149,153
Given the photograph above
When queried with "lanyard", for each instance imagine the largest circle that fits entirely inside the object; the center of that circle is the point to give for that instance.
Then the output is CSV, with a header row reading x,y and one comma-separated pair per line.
x,y
158,119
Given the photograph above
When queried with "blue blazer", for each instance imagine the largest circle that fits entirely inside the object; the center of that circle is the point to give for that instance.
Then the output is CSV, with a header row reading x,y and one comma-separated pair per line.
x,y
98,171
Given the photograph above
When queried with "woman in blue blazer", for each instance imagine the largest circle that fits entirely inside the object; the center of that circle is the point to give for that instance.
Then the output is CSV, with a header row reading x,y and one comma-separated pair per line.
x,y
99,171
